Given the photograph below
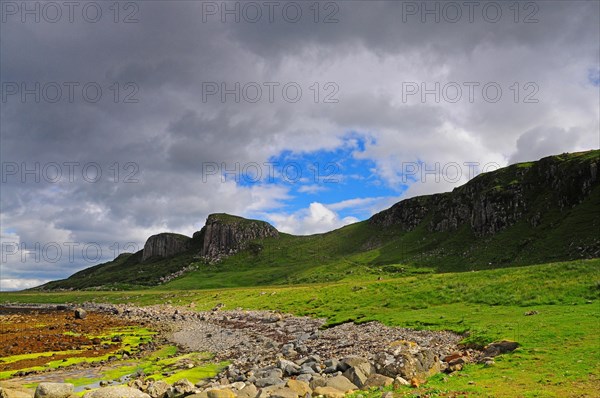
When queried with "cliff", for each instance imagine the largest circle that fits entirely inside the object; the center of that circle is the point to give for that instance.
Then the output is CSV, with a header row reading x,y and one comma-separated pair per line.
x,y
494,201
165,245
224,235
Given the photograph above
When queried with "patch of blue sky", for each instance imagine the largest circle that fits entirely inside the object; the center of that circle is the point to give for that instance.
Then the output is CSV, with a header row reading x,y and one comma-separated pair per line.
x,y
324,176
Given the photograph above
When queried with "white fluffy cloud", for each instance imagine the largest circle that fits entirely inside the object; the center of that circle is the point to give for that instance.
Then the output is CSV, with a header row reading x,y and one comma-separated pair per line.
x,y
19,284
317,218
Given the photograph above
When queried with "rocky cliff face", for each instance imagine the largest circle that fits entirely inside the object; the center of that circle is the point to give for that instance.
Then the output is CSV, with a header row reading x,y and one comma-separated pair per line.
x,y
165,245
494,201
224,235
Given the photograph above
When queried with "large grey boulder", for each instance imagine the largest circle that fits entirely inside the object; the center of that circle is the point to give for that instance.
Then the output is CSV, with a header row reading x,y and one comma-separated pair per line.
x,y
53,390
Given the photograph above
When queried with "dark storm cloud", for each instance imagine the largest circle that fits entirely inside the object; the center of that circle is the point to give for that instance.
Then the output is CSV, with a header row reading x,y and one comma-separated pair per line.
x,y
162,123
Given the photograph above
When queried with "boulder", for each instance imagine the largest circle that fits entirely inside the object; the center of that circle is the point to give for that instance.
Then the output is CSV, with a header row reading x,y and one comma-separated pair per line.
x,y
318,381
53,390
202,394
283,392
269,373
289,368
80,313
13,393
358,370
423,364
341,383
250,391
222,393
400,382
158,389
268,381
377,380
116,392
299,387
500,347
305,377
181,388
329,392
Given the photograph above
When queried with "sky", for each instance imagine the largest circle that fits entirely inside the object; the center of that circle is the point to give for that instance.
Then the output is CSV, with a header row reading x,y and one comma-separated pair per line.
x,y
120,120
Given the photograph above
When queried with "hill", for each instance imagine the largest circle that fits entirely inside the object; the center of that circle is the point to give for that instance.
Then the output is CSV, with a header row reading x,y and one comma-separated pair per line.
x,y
526,213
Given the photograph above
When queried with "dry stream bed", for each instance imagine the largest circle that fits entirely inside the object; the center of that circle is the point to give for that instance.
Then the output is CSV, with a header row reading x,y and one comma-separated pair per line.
x,y
119,344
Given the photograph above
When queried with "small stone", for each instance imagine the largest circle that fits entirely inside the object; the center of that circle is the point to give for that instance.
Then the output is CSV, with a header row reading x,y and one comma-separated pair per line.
x,y
80,313
238,385
414,382
400,381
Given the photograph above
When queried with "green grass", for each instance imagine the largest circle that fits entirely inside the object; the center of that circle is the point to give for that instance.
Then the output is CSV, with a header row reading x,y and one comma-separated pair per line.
x,y
560,349
22,357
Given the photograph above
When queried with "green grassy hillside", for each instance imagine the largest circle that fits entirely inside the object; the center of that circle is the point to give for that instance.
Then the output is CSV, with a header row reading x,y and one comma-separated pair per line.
x,y
561,221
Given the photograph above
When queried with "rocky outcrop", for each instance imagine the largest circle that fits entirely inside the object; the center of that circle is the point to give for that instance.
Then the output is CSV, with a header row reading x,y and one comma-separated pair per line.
x,y
494,201
165,245
224,235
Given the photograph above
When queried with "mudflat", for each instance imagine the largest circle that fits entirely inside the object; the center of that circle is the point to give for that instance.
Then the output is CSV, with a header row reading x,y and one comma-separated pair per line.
x,y
54,335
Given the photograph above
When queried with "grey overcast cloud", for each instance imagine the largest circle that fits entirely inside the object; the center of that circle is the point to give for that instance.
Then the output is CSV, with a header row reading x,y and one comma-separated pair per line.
x,y
122,119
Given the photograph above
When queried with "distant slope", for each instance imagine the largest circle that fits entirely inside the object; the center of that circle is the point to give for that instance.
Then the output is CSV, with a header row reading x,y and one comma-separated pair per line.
x,y
527,213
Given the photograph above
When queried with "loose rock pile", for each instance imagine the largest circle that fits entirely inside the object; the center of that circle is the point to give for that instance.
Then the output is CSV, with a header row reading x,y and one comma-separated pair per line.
x,y
276,355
